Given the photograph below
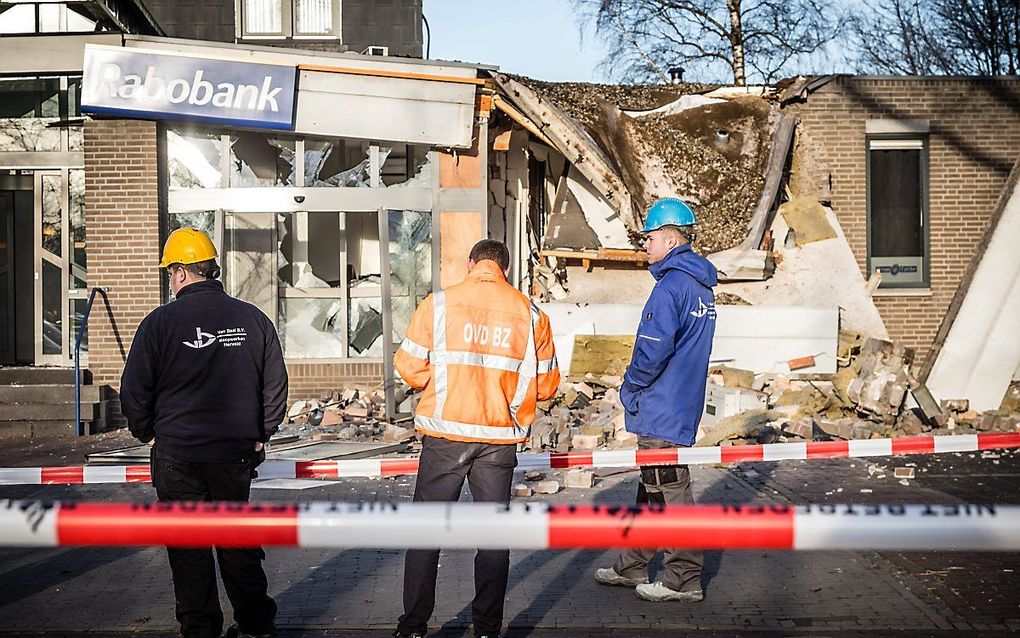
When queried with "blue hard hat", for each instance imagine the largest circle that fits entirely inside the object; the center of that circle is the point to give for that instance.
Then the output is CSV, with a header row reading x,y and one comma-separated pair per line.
x,y
668,211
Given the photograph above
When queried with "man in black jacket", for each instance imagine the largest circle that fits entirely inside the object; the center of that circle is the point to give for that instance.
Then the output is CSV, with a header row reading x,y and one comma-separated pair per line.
x,y
205,383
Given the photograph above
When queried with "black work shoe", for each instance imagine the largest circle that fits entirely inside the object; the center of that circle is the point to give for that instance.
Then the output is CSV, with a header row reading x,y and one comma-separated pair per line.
x,y
398,634
234,632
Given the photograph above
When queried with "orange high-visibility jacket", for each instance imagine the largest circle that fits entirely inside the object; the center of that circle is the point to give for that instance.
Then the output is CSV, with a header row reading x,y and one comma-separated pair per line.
x,y
484,355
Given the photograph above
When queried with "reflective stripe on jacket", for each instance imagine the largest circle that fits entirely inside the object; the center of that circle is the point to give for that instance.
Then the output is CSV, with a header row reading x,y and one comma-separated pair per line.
x,y
484,355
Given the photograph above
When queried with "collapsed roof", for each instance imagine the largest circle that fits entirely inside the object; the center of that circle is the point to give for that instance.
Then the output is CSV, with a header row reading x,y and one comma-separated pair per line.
x,y
710,146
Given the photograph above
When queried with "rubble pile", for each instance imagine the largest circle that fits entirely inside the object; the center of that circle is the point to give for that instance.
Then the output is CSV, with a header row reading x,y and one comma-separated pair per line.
x,y
585,415
351,414
869,397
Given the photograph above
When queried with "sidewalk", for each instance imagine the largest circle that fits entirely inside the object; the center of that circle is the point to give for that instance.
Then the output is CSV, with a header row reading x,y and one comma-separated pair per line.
x,y
330,592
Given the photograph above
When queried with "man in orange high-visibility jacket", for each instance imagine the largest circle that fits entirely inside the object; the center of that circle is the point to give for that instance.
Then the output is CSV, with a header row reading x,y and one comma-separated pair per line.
x,y
483,353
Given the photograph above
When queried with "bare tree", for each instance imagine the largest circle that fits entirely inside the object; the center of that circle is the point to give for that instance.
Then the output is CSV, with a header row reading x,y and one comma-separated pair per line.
x,y
648,38
937,37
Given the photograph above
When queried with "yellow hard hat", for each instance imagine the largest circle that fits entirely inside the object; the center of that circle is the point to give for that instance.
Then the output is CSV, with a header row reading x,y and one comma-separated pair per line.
x,y
187,246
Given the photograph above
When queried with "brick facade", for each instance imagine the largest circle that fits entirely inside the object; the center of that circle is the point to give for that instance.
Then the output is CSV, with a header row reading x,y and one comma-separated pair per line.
x,y
121,213
973,142
309,380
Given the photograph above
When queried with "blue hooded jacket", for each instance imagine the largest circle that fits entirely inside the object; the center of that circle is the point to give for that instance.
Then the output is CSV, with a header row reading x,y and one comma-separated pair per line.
x,y
664,388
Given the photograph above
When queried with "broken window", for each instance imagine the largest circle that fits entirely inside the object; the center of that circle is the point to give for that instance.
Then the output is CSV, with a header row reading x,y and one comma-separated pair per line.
x,y
897,211
364,287
406,165
410,254
194,159
203,220
337,162
310,250
311,328
248,260
258,160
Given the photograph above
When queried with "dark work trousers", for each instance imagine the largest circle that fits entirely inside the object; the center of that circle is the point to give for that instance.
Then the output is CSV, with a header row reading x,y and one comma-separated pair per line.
x,y
489,469
663,485
194,575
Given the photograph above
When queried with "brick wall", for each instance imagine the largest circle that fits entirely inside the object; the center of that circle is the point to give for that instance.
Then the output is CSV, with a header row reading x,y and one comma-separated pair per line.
x,y
309,380
121,213
973,141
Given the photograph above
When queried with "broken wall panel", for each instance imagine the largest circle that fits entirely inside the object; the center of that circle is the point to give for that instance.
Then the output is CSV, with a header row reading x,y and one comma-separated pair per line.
x,y
980,354
756,338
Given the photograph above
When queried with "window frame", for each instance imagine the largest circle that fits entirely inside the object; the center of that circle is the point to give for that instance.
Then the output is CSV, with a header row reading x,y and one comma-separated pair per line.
x,y
288,23
925,203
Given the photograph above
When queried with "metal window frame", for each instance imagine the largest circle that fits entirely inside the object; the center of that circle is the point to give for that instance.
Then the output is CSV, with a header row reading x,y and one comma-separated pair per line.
x,y
377,199
924,201
288,23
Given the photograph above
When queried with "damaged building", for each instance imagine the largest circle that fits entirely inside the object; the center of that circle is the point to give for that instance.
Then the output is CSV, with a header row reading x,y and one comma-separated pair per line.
x,y
838,210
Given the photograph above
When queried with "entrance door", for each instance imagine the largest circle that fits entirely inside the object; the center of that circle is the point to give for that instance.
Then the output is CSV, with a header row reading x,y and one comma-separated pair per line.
x,y
8,353
51,259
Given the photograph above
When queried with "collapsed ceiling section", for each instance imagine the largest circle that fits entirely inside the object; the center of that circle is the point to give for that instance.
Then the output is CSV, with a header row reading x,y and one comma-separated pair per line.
x,y
706,146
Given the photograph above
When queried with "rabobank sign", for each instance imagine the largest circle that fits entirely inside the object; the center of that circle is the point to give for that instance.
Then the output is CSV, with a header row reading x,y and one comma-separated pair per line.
x,y
166,86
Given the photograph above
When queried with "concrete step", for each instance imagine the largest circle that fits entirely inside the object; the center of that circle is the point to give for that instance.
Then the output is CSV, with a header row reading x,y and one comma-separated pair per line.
x,y
21,394
21,430
29,375
47,412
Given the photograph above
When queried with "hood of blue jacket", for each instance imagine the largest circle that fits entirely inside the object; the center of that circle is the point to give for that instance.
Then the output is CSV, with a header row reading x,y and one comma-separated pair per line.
x,y
686,260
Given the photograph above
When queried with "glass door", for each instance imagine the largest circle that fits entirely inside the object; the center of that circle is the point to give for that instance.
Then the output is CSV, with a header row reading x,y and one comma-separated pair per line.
x,y
51,265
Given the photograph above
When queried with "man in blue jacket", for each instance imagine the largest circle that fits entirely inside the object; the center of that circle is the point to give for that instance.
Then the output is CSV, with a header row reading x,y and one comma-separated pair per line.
x,y
663,390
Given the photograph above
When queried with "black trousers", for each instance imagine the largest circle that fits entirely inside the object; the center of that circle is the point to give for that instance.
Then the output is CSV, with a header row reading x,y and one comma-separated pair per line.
x,y
194,574
489,470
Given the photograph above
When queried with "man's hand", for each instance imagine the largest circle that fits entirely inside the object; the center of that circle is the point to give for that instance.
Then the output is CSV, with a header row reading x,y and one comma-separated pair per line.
x,y
259,445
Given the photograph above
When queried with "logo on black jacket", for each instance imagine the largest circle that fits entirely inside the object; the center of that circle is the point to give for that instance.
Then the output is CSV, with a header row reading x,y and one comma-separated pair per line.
x,y
202,339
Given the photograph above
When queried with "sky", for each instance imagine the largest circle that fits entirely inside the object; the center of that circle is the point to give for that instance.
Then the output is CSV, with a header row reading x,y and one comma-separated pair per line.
x,y
537,38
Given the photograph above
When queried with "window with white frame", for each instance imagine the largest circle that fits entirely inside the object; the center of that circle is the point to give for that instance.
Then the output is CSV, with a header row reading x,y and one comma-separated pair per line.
x,y
898,210
290,19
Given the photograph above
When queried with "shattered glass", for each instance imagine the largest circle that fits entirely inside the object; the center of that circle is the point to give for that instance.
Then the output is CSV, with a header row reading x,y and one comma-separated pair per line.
x,y
406,165
311,328
194,159
410,255
338,162
203,220
309,250
248,259
258,160
365,327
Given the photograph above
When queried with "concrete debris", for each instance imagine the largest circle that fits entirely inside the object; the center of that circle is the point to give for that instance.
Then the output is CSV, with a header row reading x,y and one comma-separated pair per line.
x,y
533,475
882,384
522,491
903,472
579,478
807,220
547,487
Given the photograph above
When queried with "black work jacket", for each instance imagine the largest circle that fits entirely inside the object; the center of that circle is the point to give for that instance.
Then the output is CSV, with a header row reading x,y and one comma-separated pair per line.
x,y
205,377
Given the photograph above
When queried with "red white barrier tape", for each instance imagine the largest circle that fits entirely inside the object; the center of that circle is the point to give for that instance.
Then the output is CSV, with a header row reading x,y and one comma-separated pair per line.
x,y
373,468
517,526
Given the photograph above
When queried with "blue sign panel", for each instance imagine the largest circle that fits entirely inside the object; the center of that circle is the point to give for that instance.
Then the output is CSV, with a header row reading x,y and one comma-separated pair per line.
x,y
162,86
